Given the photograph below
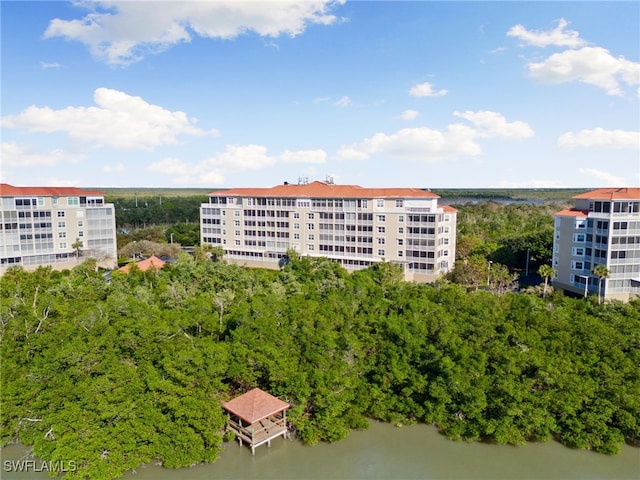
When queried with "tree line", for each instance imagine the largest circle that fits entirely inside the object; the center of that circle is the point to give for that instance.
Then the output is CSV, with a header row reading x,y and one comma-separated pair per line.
x,y
115,374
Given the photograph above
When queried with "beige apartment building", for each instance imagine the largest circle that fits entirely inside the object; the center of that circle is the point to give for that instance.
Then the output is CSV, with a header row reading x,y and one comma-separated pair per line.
x,y
40,225
602,228
349,224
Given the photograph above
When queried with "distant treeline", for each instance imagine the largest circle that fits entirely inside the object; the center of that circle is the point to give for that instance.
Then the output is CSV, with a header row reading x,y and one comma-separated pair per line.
x,y
520,194
133,212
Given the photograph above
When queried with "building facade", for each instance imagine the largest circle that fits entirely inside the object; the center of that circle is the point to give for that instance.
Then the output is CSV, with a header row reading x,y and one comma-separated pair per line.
x,y
602,228
354,226
55,226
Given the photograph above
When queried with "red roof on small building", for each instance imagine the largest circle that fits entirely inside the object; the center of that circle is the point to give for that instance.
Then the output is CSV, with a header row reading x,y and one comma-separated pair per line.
x,y
153,263
570,212
325,190
7,190
255,405
611,194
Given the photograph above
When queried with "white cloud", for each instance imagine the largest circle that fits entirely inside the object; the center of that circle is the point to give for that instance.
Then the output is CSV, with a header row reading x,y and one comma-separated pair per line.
x,y
118,120
121,33
431,145
533,183
171,166
425,90
409,115
343,102
118,168
47,65
492,124
556,37
234,158
16,155
599,137
591,65
303,156
606,179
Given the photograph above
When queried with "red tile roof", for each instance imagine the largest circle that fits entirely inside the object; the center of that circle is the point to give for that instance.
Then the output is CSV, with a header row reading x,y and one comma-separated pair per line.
x,y
611,194
153,263
7,190
448,208
325,190
570,212
255,405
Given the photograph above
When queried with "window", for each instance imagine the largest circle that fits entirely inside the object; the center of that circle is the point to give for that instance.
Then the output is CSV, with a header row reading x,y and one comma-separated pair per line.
x,y
310,226
62,244
400,253
362,204
447,218
399,203
236,223
579,238
400,230
381,253
400,241
54,200
237,233
62,224
310,247
80,223
620,225
236,213
236,242
310,216
577,251
41,201
73,201
380,203
61,214
296,236
380,241
381,229
401,218
311,236
296,226
577,265
296,215
580,223
382,218
62,234
81,234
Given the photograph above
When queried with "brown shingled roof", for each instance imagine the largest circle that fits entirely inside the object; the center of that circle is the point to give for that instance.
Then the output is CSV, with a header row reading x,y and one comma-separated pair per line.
x,y
611,194
255,405
7,190
325,190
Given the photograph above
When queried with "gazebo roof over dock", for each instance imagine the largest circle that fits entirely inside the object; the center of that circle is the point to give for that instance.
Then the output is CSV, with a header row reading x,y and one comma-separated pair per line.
x,y
255,405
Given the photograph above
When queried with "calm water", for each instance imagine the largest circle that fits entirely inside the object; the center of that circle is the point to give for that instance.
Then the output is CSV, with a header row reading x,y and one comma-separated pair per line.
x,y
387,452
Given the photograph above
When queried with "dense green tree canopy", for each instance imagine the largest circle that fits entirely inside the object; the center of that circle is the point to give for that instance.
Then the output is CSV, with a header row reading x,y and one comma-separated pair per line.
x,y
116,374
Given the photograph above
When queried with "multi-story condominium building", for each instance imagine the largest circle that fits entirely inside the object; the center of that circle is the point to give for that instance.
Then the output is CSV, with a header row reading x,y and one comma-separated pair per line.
x,y
354,226
55,226
602,228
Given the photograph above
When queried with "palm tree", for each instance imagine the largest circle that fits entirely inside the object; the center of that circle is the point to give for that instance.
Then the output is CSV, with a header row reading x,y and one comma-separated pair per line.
x,y
546,272
77,245
602,272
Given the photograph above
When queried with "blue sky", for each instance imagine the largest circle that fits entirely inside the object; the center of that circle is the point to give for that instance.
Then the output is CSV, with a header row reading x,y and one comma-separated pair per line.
x,y
379,94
